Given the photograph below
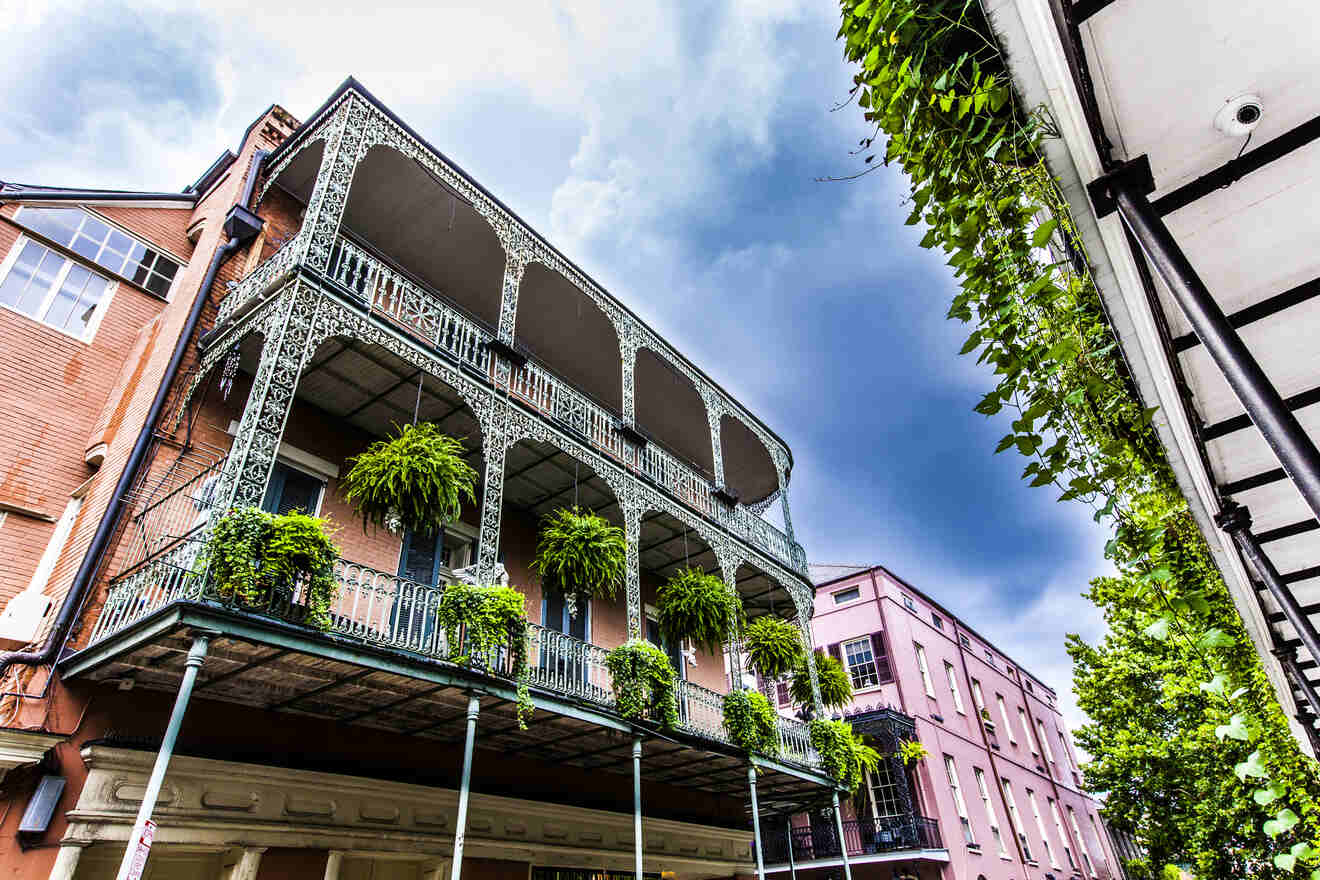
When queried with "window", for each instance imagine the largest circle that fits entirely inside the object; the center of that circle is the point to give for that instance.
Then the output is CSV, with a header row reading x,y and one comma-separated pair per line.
x,y
885,793
291,489
103,244
52,289
653,636
1026,731
964,641
958,802
783,692
953,688
925,670
1063,744
860,663
1015,819
843,596
937,620
984,791
1009,671
1044,741
1040,827
1081,843
426,555
1104,859
1003,714
907,601
1063,837
978,700
990,658
1030,689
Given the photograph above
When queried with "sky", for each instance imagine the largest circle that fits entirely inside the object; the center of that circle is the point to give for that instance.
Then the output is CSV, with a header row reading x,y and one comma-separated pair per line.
x,y
674,152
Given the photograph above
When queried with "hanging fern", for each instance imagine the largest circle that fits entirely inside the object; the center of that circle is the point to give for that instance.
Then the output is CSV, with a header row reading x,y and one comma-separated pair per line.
x,y
752,722
480,622
835,686
697,607
773,646
417,480
910,751
645,685
842,753
582,556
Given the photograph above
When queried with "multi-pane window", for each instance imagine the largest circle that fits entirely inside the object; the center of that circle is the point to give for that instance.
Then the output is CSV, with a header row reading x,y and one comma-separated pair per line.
x,y
783,692
842,597
1063,837
1040,827
965,642
937,620
885,792
958,802
1044,741
53,289
907,601
1003,714
1081,843
103,244
978,700
990,658
1104,859
860,663
1026,730
1015,820
984,791
953,688
924,670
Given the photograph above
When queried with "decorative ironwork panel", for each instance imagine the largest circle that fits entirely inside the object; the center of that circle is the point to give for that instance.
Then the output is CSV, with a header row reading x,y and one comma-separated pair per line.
x,y
495,445
804,624
632,533
325,209
514,267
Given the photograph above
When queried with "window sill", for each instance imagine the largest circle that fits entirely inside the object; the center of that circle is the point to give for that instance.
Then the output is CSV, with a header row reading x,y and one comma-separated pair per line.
x,y
869,689
973,848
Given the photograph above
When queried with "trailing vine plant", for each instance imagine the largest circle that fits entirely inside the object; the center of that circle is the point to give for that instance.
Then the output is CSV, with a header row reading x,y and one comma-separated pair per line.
x,y
416,480
582,556
936,93
697,607
842,753
773,646
480,623
645,684
910,751
753,724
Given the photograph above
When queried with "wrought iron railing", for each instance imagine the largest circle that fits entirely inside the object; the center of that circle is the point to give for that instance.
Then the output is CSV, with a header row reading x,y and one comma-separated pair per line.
x,y
428,315
379,608
820,840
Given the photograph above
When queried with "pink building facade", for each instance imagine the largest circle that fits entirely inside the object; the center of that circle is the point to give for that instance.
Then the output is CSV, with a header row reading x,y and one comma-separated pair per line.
x,y
1001,778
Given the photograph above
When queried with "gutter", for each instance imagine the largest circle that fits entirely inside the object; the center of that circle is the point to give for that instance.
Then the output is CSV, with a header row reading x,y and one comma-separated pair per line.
x,y
91,195
240,226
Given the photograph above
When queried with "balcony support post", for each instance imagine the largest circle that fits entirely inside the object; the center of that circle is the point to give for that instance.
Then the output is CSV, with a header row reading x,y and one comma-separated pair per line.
x,y
729,571
756,822
196,654
334,179
632,533
843,844
494,447
804,624
714,411
628,345
637,808
515,264
465,786
792,863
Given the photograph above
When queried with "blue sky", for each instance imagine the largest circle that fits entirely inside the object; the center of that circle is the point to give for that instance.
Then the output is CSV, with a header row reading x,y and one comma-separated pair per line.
x,y
673,152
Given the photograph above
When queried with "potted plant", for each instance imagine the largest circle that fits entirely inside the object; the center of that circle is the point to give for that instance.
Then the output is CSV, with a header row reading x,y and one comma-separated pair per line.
x,y
752,722
481,622
697,607
835,686
582,556
257,558
773,646
416,480
644,682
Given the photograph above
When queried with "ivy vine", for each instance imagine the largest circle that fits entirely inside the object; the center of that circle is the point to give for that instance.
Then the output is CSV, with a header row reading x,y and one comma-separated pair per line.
x,y
482,622
842,753
645,684
752,723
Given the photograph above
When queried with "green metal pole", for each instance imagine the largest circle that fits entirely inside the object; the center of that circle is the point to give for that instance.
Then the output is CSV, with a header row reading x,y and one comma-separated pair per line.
x,y
196,654
637,808
792,865
465,787
843,844
756,822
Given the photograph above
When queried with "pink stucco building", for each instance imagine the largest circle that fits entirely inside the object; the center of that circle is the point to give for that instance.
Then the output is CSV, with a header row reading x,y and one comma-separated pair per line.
x,y
1000,786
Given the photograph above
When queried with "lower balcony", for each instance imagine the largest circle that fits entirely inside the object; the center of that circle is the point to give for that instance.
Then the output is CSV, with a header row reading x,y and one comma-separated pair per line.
x,y
886,839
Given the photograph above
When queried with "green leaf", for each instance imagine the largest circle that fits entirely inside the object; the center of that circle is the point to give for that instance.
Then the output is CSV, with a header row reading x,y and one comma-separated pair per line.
x,y
1253,767
1269,794
1282,822
1285,861
1235,728
1215,638
1043,232
1159,629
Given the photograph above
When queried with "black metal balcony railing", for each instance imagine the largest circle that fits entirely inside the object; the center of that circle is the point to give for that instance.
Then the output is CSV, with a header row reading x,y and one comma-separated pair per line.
x,y
862,837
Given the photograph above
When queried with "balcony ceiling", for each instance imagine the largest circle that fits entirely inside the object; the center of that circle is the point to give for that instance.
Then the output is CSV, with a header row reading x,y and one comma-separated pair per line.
x,y
1161,72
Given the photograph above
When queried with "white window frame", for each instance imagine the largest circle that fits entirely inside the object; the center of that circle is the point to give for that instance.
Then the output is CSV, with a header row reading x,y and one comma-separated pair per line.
x,y
87,212
1026,731
924,670
1063,835
840,602
1008,725
1044,741
991,816
978,698
951,770
1081,842
951,674
1104,859
1015,819
98,312
1040,826
866,643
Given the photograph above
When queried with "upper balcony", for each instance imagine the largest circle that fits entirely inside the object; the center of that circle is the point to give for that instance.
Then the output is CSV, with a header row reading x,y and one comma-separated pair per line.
x,y
358,204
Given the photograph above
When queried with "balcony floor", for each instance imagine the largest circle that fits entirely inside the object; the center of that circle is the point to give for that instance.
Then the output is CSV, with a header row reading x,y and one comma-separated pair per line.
x,y
268,664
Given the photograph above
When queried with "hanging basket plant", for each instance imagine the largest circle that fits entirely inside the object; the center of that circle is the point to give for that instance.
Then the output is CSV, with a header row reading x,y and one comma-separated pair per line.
x,y
910,751
843,755
644,681
773,646
480,623
697,607
835,686
417,480
283,563
582,555
752,722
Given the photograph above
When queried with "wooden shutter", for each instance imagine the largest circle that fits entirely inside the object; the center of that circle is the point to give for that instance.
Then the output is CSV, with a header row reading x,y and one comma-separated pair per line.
x,y
835,652
881,654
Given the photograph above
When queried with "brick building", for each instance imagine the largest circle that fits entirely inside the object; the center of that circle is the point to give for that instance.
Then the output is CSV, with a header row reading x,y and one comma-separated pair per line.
x,y
1000,782
169,356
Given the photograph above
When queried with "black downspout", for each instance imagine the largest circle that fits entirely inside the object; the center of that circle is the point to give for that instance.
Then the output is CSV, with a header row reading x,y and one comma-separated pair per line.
x,y
91,560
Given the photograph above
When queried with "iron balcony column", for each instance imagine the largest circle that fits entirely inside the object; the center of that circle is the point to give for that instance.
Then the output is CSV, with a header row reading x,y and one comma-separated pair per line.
x,y
843,844
196,654
756,823
637,808
792,865
1236,520
465,786
1125,189
1291,669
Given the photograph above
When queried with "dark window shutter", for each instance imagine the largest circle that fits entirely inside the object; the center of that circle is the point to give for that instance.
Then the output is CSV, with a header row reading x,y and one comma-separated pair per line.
x,y
881,657
835,652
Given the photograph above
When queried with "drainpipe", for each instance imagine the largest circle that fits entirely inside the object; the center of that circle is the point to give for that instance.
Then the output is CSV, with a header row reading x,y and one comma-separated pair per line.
x,y
196,655
637,808
756,821
239,223
465,787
